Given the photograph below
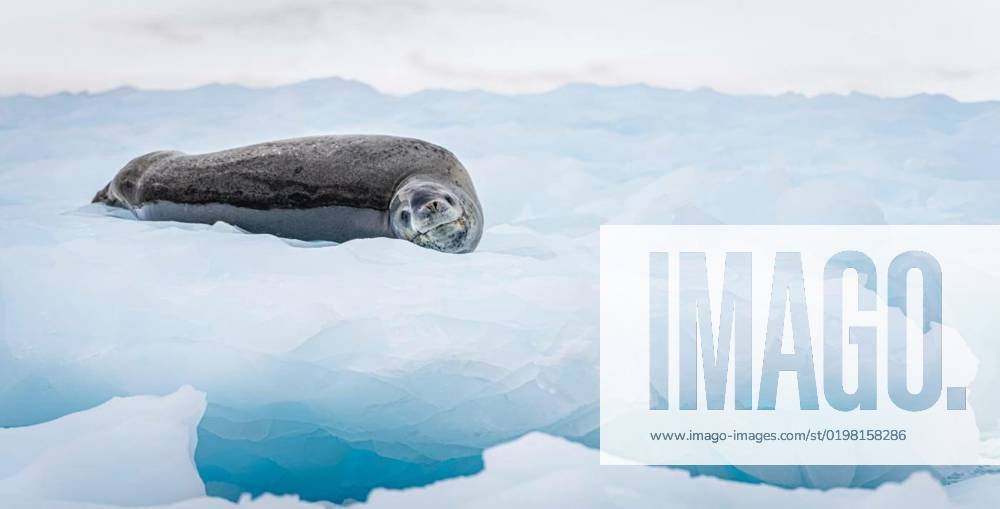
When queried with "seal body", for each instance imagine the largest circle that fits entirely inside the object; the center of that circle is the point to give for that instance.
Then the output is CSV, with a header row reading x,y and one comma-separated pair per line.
x,y
333,188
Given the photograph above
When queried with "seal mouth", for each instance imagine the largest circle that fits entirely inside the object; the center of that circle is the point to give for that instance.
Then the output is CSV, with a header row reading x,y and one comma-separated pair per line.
x,y
436,226
426,237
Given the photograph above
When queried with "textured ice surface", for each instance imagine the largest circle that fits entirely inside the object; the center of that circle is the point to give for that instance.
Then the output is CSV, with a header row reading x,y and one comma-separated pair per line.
x,y
331,370
128,451
543,471
134,451
534,471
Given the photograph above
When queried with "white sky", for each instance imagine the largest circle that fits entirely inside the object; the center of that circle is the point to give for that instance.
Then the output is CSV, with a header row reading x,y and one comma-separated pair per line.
x,y
883,47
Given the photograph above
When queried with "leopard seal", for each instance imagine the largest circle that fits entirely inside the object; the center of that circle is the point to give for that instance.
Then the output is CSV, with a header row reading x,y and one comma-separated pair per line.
x,y
335,188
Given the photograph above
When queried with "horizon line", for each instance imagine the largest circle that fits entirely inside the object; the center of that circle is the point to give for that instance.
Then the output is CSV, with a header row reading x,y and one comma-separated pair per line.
x,y
548,90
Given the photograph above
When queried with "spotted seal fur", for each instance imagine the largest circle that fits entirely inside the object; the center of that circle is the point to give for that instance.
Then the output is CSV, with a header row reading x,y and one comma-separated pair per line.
x,y
337,188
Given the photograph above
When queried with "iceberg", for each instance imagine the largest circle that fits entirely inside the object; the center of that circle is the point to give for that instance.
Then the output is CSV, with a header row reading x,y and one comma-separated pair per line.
x,y
333,370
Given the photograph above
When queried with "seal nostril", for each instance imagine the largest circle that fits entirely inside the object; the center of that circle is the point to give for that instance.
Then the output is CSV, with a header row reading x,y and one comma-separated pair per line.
x,y
434,205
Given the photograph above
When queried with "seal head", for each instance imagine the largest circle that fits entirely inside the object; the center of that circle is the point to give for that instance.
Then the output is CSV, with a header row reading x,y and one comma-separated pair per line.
x,y
434,215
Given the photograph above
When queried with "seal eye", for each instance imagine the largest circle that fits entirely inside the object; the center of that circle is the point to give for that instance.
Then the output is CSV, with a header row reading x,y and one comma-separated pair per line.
x,y
450,200
404,216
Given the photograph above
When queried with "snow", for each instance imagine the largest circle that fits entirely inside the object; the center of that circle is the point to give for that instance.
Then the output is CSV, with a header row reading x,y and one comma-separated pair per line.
x,y
332,370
